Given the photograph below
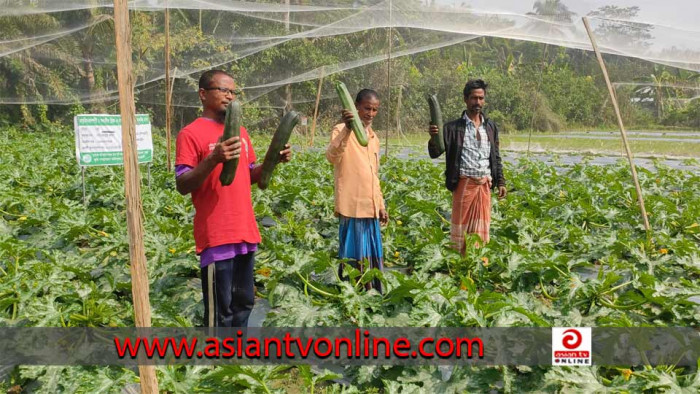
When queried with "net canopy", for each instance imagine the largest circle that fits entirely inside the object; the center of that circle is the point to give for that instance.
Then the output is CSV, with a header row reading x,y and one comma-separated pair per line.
x,y
62,51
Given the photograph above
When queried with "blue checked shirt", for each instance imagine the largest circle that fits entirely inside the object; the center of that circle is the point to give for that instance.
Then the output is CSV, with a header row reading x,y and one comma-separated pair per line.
x,y
475,153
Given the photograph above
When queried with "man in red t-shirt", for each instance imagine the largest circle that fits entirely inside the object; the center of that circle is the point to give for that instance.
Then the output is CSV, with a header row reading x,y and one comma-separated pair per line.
x,y
225,231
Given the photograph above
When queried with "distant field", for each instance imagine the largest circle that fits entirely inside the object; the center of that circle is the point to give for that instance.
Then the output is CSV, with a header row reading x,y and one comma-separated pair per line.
x,y
643,143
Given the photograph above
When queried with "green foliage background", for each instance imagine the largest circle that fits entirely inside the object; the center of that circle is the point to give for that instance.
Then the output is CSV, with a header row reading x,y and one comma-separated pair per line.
x,y
568,250
533,86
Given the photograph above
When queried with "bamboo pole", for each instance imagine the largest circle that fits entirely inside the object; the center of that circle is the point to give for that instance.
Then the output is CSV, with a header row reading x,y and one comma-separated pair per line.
x,y
172,86
388,84
534,110
318,100
168,89
398,111
613,98
132,185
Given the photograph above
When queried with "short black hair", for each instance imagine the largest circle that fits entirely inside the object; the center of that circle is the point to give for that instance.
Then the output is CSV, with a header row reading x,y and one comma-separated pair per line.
x,y
474,84
207,76
366,94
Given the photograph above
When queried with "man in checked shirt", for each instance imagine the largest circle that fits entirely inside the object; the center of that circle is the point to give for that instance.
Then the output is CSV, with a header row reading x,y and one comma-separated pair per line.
x,y
472,166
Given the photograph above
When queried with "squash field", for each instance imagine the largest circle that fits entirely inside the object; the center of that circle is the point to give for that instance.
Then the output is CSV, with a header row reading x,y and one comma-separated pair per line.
x,y
568,249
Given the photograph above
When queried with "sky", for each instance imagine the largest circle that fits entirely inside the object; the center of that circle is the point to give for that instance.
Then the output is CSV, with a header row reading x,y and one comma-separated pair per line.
x,y
682,14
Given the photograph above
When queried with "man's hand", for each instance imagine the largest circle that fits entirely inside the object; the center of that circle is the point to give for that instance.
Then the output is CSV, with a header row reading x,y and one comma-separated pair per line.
x,y
286,154
383,217
347,117
502,192
226,150
433,130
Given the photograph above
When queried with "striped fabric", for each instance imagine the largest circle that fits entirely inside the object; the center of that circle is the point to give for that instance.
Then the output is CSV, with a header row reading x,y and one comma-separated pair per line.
x,y
361,240
476,150
471,211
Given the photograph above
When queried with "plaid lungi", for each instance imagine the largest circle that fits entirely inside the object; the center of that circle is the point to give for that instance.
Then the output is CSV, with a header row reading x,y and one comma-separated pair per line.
x,y
471,210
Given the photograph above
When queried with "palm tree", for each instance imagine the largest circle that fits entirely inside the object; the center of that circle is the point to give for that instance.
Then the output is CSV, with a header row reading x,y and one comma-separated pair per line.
x,y
550,14
553,10
32,74
100,33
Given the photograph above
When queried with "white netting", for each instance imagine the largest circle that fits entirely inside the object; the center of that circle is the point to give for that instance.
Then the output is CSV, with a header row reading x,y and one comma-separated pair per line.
x,y
62,52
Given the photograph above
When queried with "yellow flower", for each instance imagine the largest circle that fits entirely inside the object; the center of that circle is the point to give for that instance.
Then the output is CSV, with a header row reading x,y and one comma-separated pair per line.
x,y
172,250
627,373
398,222
264,272
396,254
663,251
22,218
485,260
466,280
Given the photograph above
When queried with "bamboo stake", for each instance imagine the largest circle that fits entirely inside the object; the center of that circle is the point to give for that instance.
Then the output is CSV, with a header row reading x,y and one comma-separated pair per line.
x,y
534,110
168,89
132,185
613,97
172,86
398,111
388,84
318,100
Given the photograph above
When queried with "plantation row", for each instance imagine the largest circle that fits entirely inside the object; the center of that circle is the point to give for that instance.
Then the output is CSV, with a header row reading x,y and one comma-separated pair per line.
x,y
567,249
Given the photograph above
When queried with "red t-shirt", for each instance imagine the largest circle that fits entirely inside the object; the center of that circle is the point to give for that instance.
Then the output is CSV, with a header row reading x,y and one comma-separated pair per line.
x,y
223,214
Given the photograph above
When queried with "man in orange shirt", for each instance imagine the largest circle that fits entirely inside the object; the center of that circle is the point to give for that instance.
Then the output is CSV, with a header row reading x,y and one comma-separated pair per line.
x,y
358,197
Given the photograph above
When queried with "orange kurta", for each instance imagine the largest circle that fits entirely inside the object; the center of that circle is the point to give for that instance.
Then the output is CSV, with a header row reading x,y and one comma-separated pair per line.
x,y
356,170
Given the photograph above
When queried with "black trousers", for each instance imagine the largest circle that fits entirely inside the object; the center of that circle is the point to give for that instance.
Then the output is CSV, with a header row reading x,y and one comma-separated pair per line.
x,y
233,290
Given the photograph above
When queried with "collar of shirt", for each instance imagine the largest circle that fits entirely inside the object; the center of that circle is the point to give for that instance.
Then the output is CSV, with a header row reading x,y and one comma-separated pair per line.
x,y
466,117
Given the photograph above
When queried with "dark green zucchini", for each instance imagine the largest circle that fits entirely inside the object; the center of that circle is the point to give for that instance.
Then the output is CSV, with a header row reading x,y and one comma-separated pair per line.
x,y
279,140
232,128
436,119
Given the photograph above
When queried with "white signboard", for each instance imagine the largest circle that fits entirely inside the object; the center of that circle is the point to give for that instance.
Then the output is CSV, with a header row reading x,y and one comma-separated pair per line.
x,y
98,140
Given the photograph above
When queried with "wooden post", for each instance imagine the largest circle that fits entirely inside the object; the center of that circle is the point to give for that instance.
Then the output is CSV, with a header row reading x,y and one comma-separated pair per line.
x,y
388,85
318,99
132,185
288,87
168,89
399,130
613,98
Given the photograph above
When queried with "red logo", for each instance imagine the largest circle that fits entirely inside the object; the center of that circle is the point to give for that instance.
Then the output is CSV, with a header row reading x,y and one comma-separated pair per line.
x,y
572,340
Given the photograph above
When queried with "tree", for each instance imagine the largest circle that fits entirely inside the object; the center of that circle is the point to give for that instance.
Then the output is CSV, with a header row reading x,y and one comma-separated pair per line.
x,y
549,17
43,70
553,10
616,27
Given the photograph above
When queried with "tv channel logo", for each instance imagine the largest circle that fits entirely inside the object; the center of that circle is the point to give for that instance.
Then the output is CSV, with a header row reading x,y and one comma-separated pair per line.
x,y
571,346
